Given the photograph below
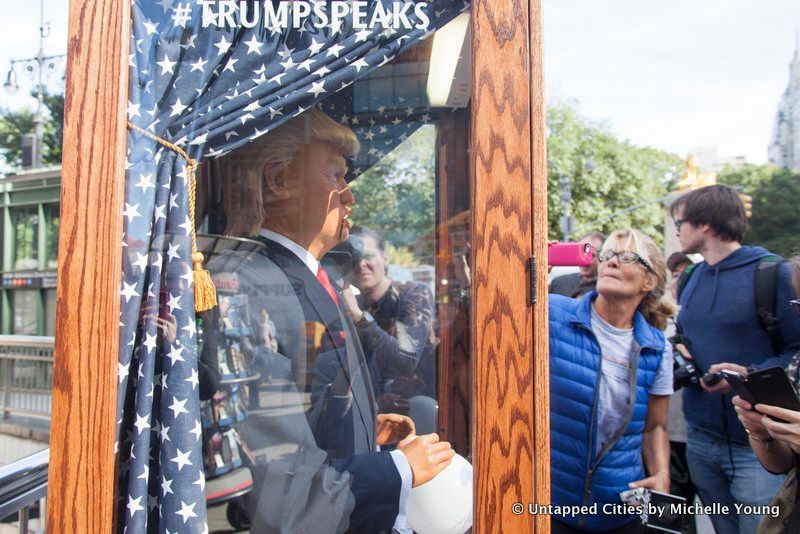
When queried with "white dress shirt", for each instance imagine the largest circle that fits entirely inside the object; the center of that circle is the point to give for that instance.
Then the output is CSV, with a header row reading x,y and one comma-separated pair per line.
x,y
400,461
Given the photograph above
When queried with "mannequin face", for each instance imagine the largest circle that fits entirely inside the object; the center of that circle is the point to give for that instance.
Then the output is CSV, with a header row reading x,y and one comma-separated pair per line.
x,y
314,202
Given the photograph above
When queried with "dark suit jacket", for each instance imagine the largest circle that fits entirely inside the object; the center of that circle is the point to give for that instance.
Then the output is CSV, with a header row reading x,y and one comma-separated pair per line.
x,y
317,469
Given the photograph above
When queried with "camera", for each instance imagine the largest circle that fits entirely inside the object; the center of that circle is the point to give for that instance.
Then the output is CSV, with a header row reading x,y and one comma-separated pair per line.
x,y
342,259
685,373
661,512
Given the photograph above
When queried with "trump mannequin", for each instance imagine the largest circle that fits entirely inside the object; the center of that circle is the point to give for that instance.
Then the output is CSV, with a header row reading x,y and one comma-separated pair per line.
x,y
318,465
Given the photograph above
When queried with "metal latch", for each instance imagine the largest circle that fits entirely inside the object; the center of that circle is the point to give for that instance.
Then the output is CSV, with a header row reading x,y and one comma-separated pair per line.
x,y
532,285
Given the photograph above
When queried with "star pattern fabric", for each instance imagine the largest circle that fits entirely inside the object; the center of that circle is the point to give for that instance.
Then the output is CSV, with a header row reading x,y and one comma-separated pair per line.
x,y
209,91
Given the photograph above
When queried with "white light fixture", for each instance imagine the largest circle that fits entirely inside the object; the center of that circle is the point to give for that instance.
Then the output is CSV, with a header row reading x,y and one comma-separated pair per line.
x,y
449,73
11,86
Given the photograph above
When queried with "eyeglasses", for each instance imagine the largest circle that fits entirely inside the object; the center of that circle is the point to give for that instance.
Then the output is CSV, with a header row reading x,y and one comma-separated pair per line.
x,y
795,305
678,223
625,256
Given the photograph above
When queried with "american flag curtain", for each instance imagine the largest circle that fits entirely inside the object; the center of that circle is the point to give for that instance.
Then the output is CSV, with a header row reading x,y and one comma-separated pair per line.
x,y
209,90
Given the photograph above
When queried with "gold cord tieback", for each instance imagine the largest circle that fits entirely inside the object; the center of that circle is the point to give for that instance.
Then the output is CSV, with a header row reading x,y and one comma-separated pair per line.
x,y
205,295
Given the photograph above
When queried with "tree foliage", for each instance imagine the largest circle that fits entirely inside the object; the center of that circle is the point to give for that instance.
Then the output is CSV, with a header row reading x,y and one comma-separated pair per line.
x,y
625,176
774,224
396,196
15,124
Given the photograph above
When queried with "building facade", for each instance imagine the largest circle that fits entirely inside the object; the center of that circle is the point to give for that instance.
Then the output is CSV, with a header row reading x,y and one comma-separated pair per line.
x,y
784,149
29,221
709,161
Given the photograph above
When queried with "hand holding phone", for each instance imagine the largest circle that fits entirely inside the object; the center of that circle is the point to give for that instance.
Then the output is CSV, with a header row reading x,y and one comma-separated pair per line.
x,y
768,386
721,386
711,379
751,420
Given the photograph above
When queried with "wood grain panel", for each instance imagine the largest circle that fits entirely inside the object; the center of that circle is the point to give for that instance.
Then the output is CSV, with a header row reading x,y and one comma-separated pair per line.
x,y
541,339
82,474
503,380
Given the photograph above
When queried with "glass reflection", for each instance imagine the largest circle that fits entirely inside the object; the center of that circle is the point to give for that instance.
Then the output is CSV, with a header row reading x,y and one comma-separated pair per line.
x,y
312,390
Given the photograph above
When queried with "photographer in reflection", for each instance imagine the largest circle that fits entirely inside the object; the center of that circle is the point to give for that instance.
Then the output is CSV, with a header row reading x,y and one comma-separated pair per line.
x,y
394,322
610,382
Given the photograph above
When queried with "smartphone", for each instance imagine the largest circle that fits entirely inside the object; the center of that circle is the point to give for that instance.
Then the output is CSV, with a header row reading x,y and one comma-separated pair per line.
x,y
569,254
767,386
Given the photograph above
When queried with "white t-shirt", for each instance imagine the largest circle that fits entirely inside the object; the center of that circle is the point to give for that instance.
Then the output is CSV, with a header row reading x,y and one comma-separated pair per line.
x,y
614,397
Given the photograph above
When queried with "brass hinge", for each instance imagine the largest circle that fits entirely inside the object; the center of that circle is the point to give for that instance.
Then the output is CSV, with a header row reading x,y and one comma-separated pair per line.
x,y
532,285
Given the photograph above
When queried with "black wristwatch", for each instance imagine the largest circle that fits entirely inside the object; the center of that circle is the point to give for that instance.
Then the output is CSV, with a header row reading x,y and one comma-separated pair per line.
x,y
366,319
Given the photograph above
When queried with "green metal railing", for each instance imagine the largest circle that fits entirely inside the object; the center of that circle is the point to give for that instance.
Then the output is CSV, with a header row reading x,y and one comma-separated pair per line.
x,y
26,376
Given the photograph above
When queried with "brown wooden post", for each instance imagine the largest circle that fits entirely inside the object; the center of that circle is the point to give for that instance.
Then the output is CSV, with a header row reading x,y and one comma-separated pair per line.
x,y
541,334
82,473
505,441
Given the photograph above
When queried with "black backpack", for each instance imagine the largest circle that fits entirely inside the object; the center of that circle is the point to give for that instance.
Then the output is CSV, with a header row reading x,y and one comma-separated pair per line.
x,y
765,283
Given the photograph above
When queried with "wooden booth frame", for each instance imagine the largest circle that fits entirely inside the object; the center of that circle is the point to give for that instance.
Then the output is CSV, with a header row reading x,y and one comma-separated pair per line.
x,y
509,339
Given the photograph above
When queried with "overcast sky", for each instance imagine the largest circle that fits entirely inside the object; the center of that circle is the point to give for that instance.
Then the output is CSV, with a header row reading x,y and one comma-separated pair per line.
x,y
674,75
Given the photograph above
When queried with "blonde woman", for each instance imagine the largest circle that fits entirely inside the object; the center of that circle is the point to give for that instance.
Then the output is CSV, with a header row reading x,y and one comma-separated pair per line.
x,y
611,378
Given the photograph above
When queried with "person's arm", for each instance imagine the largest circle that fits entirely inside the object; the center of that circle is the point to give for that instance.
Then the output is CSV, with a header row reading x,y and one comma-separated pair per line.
x,y
403,351
655,445
772,451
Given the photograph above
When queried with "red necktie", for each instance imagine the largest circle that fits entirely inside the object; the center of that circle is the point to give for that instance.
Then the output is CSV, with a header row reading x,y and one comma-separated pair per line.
x,y
322,276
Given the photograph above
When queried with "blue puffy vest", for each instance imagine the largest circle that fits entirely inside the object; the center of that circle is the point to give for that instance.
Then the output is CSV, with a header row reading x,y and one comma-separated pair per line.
x,y
580,476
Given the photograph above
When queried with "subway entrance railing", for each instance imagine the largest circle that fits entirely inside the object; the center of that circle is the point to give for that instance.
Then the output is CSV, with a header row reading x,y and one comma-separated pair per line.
x,y
26,384
26,377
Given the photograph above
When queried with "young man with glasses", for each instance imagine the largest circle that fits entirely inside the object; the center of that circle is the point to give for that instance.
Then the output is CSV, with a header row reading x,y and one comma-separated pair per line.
x,y
718,317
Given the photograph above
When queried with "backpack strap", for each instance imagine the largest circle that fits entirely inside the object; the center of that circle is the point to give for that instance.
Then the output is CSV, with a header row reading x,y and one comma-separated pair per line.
x,y
766,286
683,280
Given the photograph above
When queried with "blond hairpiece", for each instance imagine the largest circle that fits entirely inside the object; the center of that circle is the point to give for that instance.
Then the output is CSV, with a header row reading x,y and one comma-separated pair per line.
x,y
244,172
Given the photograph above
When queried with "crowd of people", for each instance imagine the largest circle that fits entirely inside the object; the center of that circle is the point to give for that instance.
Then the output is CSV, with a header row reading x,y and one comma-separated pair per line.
x,y
616,423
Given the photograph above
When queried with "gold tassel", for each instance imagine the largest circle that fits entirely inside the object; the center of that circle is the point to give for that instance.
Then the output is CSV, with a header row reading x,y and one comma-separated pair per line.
x,y
205,294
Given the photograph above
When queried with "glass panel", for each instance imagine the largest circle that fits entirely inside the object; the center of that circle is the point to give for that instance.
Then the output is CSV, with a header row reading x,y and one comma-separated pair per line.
x,y
50,312
333,374
31,116
24,306
52,219
26,237
313,363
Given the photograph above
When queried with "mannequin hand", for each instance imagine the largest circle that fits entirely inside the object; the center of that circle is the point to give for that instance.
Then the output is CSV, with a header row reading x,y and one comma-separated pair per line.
x,y
394,427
